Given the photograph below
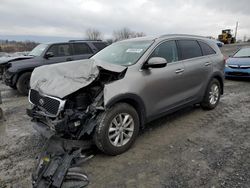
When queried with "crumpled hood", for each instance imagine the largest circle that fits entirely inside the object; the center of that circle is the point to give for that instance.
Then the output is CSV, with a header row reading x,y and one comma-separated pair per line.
x,y
4,60
60,80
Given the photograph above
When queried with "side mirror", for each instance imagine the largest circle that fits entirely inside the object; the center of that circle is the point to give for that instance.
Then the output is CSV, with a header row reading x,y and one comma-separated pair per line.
x,y
49,55
155,62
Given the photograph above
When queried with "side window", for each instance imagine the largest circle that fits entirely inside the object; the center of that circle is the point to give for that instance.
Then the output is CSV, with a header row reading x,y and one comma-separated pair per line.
x,y
206,49
81,49
167,50
60,50
99,45
189,49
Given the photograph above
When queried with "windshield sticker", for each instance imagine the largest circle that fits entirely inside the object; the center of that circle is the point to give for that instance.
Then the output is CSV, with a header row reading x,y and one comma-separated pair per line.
x,y
134,50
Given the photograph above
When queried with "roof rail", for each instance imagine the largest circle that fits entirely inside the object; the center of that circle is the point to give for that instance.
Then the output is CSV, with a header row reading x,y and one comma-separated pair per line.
x,y
83,40
181,35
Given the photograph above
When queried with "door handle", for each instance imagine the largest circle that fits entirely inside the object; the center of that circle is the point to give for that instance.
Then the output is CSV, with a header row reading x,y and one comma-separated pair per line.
x,y
177,71
208,63
69,59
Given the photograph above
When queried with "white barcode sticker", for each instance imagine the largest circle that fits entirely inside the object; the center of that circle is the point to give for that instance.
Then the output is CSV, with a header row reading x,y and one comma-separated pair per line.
x,y
134,50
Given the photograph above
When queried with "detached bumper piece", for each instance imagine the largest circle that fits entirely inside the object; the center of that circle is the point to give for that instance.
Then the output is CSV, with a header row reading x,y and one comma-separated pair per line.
x,y
57,164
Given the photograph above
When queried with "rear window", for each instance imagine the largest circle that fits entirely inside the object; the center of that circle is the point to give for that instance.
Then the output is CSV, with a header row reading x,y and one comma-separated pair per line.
x,y
189,49
206,49
100,45
81,49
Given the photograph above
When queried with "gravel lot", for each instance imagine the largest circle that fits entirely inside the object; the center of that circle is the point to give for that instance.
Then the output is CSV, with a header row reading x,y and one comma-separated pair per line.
x,y
190,148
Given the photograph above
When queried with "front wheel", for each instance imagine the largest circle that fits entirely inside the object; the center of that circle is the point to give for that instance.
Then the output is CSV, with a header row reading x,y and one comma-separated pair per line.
x,y
117,129
23,83
212,95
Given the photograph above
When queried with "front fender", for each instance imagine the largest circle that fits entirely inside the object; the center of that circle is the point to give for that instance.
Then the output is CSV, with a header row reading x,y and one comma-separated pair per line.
x,y
132,99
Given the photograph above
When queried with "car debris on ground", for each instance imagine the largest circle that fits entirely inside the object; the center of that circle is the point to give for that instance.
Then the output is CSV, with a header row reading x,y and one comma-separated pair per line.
x,y
57,164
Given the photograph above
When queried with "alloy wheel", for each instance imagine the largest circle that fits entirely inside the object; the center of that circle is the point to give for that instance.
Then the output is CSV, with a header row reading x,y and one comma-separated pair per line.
x,y
214,94
121,129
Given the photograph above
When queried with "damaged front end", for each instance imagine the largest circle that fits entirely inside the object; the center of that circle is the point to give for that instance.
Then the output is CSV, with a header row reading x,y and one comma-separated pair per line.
x,y
3,71
5,64
74,115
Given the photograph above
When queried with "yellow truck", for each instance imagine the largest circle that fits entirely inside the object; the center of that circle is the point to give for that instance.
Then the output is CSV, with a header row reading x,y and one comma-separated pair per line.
x,y
226,37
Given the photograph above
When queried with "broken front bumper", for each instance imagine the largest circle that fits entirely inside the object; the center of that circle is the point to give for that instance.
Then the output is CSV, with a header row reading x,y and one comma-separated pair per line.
x,y
43,121
43,129
39,125
74,124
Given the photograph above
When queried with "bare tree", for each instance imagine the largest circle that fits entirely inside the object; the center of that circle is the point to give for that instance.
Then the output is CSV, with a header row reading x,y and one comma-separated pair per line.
x,y
93,34
126,33
137,34
121,34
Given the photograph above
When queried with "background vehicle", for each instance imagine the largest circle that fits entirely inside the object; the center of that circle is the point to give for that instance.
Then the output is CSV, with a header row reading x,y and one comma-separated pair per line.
x,y
226,37
238,65
16,71
219,44
129,83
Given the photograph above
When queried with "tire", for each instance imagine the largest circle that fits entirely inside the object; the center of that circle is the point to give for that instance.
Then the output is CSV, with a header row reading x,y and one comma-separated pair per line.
x,y
109,127
212,95
23,83
13,87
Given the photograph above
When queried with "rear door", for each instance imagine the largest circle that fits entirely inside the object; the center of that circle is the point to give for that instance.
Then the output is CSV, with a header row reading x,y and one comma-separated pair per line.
x,y
164,86
81,51
61,52
197,68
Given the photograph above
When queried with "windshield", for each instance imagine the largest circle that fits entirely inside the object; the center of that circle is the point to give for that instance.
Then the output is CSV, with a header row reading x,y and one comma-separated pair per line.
x,y
244,52
38,50
123,53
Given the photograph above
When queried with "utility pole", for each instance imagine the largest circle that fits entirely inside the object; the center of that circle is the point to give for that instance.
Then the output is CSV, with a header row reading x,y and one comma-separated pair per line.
x,y
236,29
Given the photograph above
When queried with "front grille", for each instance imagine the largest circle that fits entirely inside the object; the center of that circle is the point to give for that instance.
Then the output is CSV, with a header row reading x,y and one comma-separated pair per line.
x,y
238,74
49,105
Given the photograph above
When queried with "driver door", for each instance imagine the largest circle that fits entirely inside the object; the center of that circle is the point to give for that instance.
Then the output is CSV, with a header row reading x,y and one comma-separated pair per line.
x,y
61,52
163,86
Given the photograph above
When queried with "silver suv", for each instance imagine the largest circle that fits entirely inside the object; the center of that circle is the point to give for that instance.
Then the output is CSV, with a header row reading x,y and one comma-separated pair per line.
x,y
114,93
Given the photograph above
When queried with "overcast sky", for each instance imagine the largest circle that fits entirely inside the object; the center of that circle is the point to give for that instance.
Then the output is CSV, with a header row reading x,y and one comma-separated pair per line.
x,y
70,18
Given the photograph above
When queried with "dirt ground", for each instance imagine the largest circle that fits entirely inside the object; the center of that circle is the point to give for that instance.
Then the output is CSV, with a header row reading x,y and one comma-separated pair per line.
x,y
190,148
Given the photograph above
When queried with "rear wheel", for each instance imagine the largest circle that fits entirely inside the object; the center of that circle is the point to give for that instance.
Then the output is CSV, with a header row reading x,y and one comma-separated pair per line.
x,y
23,83
212,95
117,129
